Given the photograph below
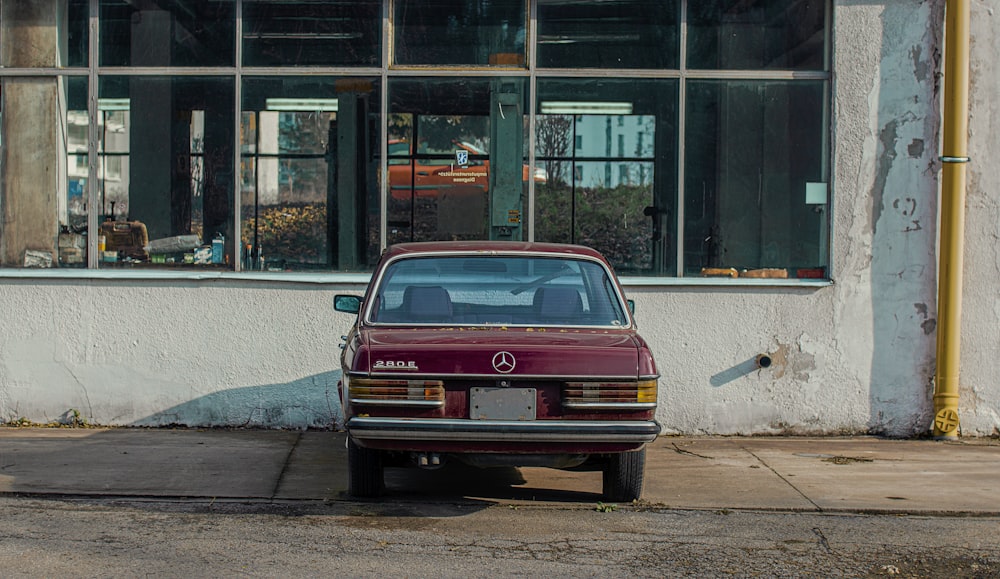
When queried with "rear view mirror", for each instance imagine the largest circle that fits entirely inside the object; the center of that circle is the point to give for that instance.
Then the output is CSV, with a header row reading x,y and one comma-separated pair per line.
x,y
631,306
347,304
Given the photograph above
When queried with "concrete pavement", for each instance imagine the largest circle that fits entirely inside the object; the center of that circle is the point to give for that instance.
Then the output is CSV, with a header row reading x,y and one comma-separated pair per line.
x,y
856,474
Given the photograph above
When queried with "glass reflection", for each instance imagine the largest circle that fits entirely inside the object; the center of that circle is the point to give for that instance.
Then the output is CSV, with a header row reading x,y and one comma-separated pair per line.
x,y
309,195
167,34
446,199
460,32
450,151
312,34
751,148
72,206
610,177
756,34
166,197
597,34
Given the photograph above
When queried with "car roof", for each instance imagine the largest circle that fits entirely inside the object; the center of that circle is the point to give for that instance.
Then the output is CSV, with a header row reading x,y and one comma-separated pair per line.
x,y
489,247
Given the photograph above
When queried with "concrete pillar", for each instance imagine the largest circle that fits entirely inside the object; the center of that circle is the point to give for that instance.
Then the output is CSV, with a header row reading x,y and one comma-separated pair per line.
x,y
32,124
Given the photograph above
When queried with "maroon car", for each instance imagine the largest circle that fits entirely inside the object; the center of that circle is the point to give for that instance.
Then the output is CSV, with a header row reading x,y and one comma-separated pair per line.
x,y
496,354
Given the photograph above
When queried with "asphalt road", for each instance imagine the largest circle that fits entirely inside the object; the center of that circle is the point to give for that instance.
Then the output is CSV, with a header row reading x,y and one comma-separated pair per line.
x,y
163,503
200,538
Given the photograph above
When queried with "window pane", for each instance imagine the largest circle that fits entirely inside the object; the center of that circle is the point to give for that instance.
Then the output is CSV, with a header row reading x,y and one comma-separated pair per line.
x,y
40,35
752,149
458,32
444,187
756,34
312,34
309,189
611,178
167,33
608,214
166,171
72,241
599,34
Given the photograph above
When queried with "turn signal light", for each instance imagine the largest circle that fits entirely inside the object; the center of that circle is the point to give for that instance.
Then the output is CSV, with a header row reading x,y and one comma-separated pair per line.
x,y
396,392
639,395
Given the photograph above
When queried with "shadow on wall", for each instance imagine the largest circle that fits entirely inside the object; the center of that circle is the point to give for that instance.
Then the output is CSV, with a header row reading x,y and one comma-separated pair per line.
x,y
738,371
309,402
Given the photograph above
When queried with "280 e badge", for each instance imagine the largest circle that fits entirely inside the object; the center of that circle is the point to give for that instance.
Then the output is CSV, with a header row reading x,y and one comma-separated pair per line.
x,y
394,365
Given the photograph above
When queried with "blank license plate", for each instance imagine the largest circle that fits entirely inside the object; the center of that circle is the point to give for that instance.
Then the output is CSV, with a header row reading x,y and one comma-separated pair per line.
x,y
502,403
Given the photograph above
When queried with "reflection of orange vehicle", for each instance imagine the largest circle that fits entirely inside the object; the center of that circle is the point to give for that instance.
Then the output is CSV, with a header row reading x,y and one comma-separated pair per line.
x,y
427,177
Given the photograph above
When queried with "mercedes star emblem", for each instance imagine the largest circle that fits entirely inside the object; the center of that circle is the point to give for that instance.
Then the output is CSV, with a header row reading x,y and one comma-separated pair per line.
x,y
503,362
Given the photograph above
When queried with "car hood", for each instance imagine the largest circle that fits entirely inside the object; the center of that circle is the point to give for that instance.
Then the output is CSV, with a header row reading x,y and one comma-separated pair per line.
x,y
563,352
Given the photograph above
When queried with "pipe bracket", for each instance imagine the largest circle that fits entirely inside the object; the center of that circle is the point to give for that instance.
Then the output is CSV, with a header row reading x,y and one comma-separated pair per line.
x,y
946,159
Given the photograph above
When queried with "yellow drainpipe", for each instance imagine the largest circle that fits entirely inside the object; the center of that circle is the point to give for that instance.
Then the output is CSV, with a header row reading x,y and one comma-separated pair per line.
x,y
954,159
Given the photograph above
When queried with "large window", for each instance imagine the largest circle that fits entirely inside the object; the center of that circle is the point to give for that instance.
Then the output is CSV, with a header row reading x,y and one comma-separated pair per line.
x,y
681,138
165,179
444,166
609,151
309,193
754,190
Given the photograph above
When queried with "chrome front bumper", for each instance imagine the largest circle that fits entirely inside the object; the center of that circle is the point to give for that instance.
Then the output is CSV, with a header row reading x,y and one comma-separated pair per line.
x,y
632,432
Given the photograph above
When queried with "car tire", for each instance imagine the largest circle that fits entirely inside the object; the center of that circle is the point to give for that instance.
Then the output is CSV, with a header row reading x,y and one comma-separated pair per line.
x,y
623,475
366,477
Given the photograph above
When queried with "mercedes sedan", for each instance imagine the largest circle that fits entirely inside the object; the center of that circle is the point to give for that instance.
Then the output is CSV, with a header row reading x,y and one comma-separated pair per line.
x,y
496,354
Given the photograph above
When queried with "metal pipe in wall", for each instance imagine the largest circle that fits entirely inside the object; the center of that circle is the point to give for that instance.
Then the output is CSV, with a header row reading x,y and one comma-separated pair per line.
x,y
954,159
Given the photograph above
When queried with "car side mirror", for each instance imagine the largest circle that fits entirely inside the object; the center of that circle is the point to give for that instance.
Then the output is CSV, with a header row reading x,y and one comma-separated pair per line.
x,y
631,306
347,304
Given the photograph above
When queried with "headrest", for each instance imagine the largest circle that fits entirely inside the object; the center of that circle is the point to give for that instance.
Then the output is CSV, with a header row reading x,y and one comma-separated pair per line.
x,y
558,303
427,303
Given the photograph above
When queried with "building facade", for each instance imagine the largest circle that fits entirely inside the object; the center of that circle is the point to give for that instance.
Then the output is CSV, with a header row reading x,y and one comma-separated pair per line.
x,y
185,186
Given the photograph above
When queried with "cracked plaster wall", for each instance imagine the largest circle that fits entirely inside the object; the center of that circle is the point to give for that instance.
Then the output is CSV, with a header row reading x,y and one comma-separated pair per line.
x,y
857,356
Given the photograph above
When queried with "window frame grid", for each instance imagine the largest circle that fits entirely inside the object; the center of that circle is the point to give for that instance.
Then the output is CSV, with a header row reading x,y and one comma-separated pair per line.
x,y
386,71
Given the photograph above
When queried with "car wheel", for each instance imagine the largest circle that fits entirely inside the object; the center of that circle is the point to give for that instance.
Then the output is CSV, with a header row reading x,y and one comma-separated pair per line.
x,y
365,473
623,475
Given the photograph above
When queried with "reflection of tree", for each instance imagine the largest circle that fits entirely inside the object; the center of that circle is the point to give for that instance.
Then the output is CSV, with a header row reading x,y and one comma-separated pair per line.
x,y
294,233
554,133
302,134
610,220
440,132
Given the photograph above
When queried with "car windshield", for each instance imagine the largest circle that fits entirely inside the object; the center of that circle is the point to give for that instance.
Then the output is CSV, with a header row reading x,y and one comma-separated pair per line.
x,y
497,290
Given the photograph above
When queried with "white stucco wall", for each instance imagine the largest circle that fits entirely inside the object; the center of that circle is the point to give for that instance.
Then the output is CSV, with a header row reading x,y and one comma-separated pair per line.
x,y
170,352
979,402
855,356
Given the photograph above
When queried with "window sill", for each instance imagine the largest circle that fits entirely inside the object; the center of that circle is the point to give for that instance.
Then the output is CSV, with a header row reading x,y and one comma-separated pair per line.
x,y
364,278
186,275
633,281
